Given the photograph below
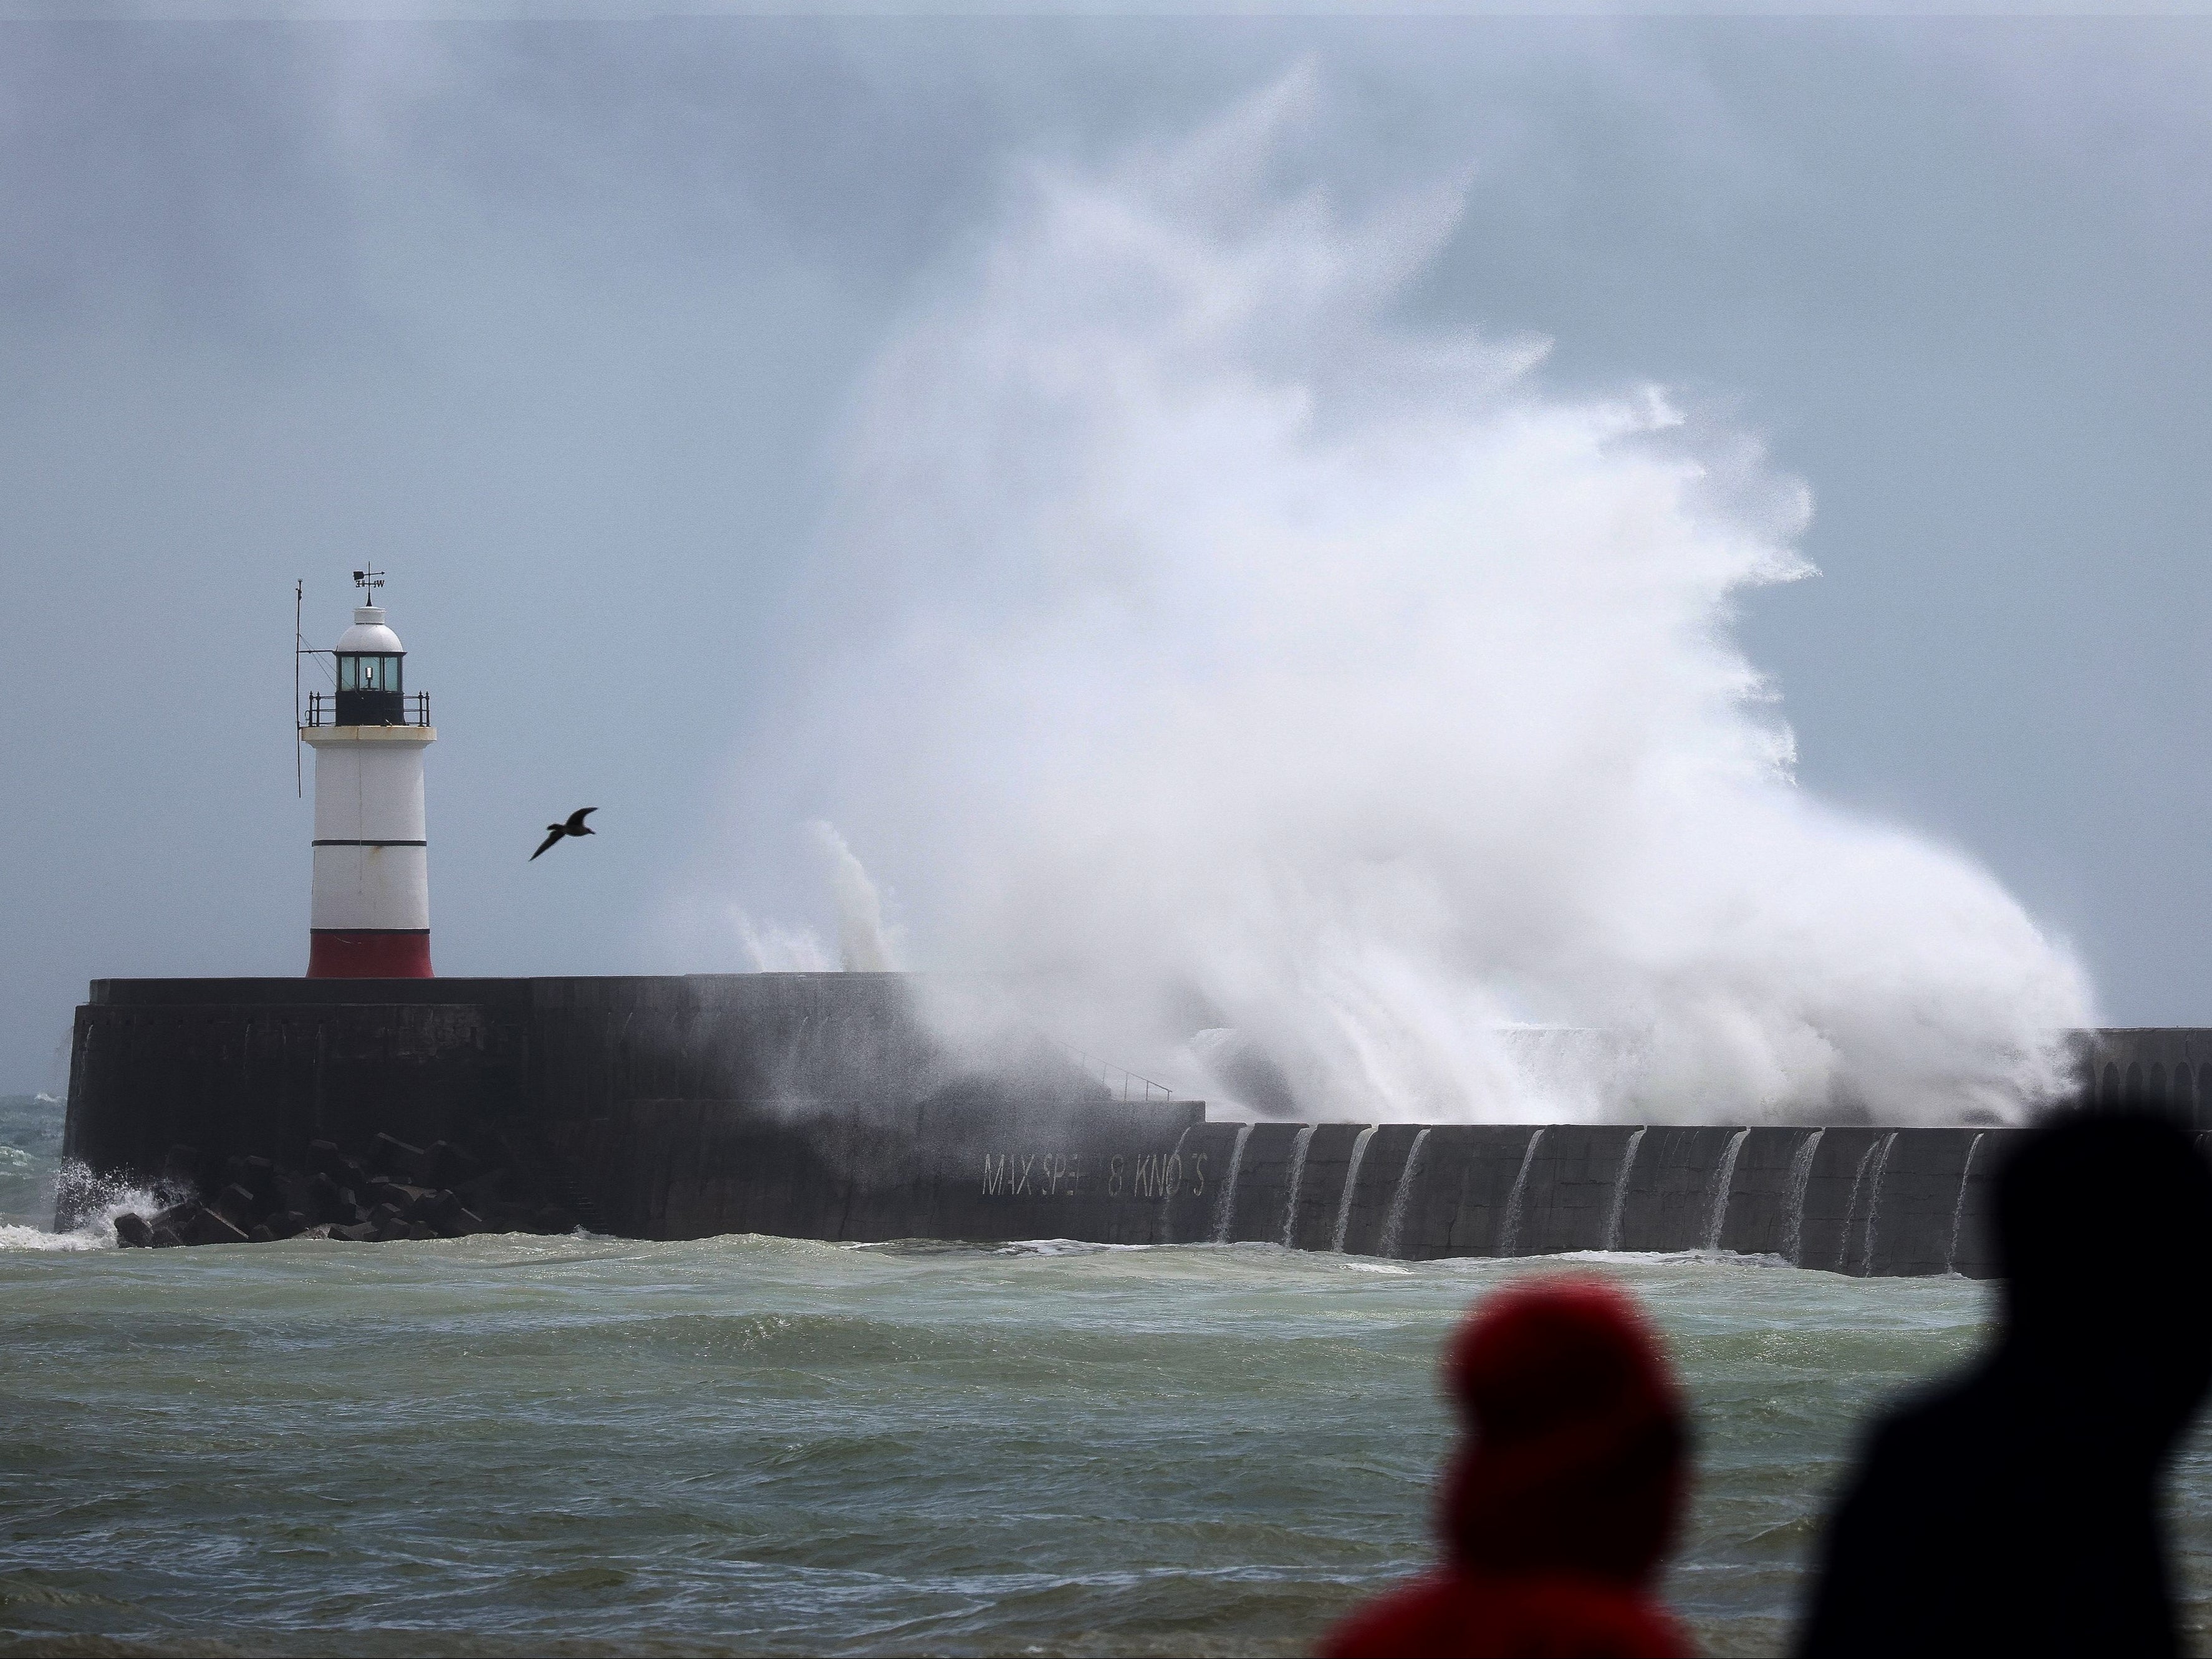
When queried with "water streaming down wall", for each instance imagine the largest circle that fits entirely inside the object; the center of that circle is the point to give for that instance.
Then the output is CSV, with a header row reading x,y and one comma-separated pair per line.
x,y
1801,1172
1509,1229
1394,1223
1871,1232
1224,1214
1852,1205
811,1106
1613,1216
1723,1180
1299,1152
1351,1187
1959,1208
1452,1190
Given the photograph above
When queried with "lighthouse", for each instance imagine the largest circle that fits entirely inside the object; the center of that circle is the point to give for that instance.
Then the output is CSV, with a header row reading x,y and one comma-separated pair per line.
x,y
371,916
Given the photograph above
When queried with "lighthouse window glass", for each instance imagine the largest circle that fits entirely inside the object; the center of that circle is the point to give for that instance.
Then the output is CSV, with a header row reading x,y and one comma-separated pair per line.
x,y
357,673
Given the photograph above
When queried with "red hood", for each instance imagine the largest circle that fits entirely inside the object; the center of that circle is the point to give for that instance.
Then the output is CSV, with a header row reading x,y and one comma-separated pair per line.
x,y
1573,1458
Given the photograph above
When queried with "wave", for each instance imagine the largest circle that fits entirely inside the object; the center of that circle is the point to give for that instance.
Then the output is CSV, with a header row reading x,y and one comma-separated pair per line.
x,y
95,1201
1217,652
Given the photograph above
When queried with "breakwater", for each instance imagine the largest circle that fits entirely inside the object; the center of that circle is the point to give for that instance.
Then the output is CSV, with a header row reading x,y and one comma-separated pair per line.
x,y
827,1106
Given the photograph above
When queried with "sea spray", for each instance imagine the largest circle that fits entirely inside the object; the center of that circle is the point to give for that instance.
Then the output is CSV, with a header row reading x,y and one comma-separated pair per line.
x,y
1351,1187
1801,1177
864,943
1189,623
1224,1210
87,1205
1393,1224
1617,1209
1717,1198
1508,1229
1298,1178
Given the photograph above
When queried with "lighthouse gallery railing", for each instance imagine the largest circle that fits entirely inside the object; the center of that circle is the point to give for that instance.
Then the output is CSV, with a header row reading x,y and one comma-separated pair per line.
x,y
323,709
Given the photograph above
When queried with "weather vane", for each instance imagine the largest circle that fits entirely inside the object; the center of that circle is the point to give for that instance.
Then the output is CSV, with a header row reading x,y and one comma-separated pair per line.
x,y
369,581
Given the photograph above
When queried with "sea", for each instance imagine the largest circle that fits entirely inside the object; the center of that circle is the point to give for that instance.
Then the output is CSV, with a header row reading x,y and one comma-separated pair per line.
x,y
750,1445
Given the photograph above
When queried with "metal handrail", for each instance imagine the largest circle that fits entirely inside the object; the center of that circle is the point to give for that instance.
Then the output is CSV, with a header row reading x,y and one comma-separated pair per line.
x,y
323,709
1117,1078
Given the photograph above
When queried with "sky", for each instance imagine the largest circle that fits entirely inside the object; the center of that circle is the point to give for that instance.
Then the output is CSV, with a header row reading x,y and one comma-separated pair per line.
x,y
567,326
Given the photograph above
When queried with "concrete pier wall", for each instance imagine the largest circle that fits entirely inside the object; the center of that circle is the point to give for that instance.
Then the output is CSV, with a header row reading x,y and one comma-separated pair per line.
x,y
824,1106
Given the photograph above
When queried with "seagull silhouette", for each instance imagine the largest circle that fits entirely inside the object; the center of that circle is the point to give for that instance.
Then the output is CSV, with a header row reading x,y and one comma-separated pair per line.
x,y
575,826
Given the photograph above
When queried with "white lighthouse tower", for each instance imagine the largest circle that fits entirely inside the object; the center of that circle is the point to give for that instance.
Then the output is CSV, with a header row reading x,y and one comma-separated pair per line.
x,y
371,918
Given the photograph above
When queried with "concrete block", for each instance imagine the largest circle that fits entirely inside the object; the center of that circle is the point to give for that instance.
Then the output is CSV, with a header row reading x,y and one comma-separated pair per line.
x,y
1321,1185
235,1205
1914,1208
1671,1191
1568,1193
206,1226
1758,1217
1833,1232
1484,1163
1263,1184
1382,1172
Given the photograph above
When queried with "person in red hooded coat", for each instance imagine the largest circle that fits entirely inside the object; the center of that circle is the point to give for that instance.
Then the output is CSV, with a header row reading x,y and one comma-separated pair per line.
x,y
1560,1502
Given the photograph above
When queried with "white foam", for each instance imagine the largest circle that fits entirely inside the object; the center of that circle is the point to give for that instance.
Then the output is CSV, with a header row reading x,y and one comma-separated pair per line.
x,y
17,1237
97,1201
1674,1258
1060,1247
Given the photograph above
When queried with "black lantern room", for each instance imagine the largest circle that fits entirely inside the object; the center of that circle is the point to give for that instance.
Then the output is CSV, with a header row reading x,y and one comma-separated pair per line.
x,y
369,688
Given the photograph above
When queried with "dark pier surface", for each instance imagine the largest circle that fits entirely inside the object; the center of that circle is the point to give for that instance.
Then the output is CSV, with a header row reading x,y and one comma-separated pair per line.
x,y
823,1106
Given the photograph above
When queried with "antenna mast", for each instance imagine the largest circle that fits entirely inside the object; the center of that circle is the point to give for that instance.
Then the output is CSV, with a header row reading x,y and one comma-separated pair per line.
x,y
299,767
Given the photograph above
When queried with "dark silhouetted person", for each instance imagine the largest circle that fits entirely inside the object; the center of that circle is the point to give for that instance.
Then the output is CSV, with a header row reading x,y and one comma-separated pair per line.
x,y
1560,1502
2016,1510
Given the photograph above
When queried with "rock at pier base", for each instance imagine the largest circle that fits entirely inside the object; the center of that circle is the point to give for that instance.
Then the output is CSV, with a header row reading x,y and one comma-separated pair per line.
x,y
205,1226
394,1191
237,1206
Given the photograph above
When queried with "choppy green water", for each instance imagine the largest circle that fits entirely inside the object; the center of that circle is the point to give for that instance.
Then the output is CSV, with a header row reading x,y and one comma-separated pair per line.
x,y
755,1445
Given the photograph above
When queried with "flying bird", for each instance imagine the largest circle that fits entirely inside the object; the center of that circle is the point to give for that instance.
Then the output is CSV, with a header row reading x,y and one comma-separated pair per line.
x,y
575,826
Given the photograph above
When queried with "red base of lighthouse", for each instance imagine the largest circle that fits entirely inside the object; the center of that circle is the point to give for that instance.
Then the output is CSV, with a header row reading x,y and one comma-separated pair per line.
x,y
332,954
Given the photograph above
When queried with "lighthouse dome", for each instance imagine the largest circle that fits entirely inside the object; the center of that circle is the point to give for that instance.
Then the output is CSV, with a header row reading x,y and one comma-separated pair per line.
x,y
368,633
